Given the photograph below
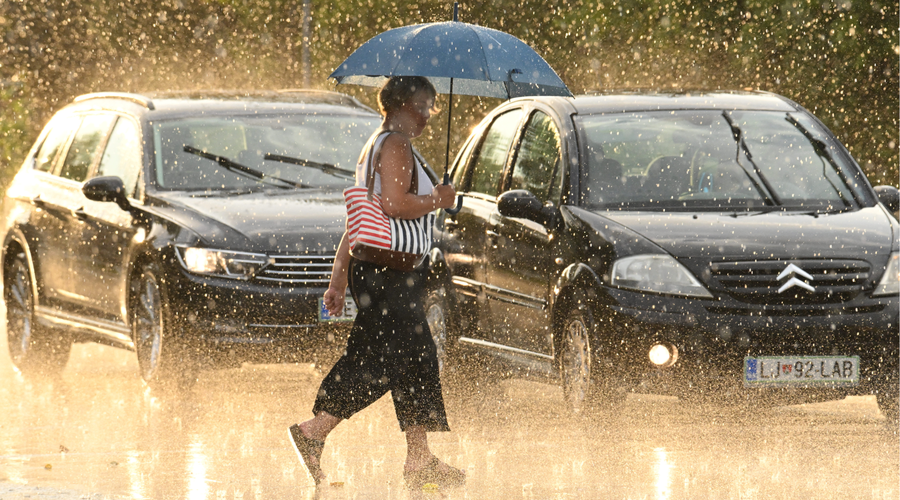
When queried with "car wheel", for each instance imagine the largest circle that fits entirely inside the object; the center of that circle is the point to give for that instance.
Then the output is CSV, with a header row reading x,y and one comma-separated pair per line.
x,y
585,384
436,316
32,348
163,357
888,397
574,359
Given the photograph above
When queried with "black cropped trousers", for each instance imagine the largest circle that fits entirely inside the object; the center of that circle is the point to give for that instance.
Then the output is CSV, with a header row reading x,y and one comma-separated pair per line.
x,y
389,348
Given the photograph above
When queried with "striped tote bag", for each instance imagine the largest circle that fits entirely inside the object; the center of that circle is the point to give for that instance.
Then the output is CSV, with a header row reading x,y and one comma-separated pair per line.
x,y
374,237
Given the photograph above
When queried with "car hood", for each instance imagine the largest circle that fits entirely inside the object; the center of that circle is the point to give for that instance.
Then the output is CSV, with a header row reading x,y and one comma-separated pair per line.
x,y
777,235
270,221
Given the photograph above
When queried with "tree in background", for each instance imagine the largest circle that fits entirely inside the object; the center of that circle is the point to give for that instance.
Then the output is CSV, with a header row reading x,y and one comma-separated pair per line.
x,y
836,57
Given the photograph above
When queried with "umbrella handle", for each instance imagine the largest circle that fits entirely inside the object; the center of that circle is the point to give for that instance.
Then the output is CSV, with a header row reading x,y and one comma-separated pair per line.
x,y
459,198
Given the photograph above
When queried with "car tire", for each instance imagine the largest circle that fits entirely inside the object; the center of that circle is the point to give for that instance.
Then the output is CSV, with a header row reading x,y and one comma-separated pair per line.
x,y
888,397
889,404
164,357
585,387
33,349
574,359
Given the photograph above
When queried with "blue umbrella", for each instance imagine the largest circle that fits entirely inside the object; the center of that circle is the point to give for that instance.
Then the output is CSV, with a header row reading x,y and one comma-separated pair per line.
x,y
457,58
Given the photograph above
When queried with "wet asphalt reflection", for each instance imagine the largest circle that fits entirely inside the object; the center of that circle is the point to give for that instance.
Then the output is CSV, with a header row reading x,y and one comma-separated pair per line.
x,y
96,429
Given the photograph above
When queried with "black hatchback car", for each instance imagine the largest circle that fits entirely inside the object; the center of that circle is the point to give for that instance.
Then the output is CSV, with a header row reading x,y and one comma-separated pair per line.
x,y
187,227
712,244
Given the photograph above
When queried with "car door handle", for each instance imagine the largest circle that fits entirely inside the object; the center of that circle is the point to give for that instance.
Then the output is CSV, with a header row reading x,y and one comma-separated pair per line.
x,y
491,233
80,214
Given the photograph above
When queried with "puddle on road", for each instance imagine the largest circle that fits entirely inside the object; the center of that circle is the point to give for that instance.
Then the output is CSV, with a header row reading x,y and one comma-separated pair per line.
x,y
100,430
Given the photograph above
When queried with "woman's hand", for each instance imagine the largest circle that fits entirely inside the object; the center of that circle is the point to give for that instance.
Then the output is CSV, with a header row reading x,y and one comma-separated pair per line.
x,y
444,196
337,287
334,301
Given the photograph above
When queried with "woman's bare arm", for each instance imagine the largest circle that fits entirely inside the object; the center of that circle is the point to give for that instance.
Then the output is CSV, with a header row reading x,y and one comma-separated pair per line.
x,y
396,175
337,288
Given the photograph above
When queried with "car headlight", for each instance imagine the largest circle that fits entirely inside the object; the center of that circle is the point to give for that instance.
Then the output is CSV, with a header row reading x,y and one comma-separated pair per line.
x,y
656,273
890,282
221,263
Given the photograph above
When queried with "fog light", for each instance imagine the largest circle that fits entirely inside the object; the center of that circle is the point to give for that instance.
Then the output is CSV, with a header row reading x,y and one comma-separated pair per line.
x,y
663,355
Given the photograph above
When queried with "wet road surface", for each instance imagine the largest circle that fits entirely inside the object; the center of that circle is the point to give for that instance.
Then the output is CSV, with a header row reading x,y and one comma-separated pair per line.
x,y
96,431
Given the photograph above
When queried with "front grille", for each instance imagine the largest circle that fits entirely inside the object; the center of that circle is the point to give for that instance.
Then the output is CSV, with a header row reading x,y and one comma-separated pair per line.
x,y
303,270
796,312
756,282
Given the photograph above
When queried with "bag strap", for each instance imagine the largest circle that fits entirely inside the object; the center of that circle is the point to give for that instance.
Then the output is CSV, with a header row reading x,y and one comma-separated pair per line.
x,y
370,167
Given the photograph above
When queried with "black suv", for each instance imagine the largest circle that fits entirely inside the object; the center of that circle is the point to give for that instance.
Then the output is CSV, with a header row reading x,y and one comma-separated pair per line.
x,y
715,244
187,227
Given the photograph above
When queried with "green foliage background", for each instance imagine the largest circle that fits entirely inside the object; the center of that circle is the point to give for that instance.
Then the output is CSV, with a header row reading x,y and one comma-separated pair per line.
x,y
838,58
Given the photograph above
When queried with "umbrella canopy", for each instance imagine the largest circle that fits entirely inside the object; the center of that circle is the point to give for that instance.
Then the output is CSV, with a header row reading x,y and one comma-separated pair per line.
x,y
457,57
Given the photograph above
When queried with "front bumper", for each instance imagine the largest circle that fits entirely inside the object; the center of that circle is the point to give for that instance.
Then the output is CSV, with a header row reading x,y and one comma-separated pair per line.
x,y
253,318
713,337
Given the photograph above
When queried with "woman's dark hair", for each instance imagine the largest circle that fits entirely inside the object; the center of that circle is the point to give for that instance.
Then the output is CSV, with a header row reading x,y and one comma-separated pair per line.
x,y
399,89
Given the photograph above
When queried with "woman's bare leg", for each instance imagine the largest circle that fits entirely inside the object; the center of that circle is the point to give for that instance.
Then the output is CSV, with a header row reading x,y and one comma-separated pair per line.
x,y
320,426
314,431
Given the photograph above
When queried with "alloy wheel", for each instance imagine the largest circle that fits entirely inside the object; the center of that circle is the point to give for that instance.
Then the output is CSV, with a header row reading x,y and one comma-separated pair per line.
x,y
437,323
575,363
148,325
19,299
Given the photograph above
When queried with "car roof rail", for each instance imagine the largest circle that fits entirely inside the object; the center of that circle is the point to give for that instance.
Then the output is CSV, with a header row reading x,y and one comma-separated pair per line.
x,y
284,95
135,98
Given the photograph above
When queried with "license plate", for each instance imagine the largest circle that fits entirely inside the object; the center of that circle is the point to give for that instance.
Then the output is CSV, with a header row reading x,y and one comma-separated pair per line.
x,y
349,311
801,371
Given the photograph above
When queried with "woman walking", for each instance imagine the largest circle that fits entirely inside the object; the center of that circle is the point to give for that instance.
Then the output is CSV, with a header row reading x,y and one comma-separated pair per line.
x,y
390,348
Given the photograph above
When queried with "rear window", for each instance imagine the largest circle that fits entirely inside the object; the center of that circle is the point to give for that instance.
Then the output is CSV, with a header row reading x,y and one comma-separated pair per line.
x,y
695,158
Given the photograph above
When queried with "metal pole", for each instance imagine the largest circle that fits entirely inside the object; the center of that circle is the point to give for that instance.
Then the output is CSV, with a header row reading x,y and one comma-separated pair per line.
x,y
450,101
304,52
449,116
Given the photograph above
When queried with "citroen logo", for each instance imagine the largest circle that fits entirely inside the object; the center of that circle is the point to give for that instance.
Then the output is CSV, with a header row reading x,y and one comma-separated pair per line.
x,y
794,271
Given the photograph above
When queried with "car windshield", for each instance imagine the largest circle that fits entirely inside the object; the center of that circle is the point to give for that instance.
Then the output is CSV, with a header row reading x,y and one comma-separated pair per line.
x,y
693,159
308,150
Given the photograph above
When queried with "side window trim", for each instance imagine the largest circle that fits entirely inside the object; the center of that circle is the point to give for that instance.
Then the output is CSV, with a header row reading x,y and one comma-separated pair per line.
x,y
60,154
63,152
95,161
95,171
92,171
476,151
526,122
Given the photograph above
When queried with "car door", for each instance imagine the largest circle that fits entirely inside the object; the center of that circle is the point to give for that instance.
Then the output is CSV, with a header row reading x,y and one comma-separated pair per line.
x,y
47,193
79,248
109,230
465,234
519,263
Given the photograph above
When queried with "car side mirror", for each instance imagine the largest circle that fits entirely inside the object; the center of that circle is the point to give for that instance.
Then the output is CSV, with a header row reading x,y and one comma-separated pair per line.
x,y
521,203
889,196
107,188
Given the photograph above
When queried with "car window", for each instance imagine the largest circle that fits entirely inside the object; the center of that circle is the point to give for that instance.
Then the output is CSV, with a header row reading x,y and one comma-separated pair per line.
x,y
538,157
331,140
60,131
122,156
85,147
694,158
492,155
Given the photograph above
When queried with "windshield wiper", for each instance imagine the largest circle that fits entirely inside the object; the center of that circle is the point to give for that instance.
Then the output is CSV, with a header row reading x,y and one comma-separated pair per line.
x,y
324,167
822,151
238,168
768,194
